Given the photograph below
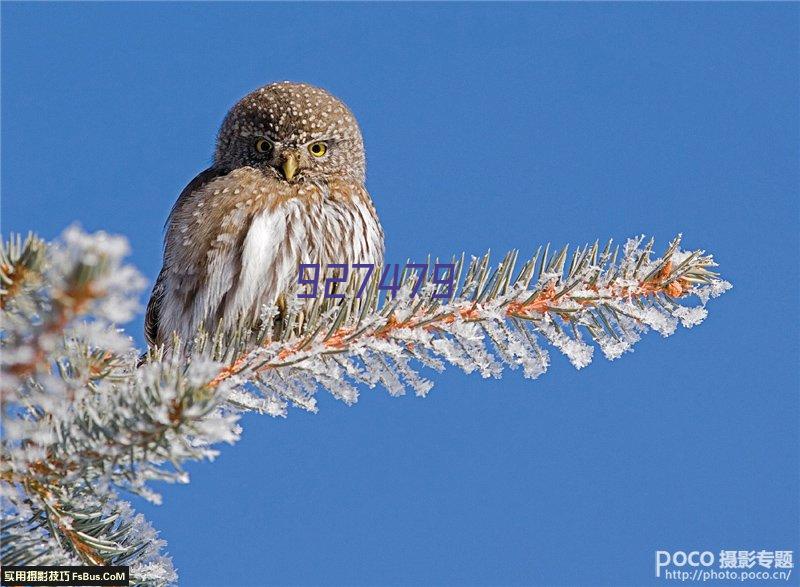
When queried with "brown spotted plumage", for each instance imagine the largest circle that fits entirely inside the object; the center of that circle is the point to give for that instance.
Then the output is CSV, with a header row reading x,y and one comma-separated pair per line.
x,y
286,187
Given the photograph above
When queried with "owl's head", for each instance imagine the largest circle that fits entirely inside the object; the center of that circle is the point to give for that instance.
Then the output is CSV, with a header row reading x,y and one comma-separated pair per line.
x,y
293,131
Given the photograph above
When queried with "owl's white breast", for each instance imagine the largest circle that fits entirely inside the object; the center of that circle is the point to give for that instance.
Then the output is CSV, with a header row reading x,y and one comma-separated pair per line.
x,y
260,260
250,257
270,253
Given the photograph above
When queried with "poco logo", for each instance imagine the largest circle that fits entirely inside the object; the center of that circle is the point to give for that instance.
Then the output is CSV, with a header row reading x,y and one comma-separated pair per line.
x,y
680,558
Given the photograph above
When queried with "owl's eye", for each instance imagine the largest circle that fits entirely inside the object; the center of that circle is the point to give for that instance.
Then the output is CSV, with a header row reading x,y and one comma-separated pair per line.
x,y
263,146
318,149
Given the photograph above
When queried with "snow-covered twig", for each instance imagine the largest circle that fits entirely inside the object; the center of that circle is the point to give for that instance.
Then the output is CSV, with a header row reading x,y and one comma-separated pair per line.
x,y
84,419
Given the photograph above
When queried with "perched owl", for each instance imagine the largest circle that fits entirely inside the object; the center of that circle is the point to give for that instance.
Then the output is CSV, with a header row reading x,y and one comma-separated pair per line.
x,y
286,187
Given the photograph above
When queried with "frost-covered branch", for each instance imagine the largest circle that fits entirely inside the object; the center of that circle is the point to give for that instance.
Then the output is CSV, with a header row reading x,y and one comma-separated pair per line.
x,y
85,419
497,317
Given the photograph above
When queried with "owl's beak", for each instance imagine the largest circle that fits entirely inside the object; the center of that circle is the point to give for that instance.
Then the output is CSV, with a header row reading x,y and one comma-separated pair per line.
x,y
289,166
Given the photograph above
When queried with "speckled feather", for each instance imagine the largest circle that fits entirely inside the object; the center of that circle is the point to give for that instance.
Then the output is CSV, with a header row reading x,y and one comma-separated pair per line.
x,y
239,230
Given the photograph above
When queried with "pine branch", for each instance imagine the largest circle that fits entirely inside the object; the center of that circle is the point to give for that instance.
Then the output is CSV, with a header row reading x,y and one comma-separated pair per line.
x,y
83,423
497,318
63,382
19,261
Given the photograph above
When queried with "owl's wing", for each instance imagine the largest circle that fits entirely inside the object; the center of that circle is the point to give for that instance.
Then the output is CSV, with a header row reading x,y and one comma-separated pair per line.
x,y
152,316
153,306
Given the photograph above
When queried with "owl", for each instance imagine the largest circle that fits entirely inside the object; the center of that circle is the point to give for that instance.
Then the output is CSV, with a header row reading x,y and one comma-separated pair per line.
x,y
286,187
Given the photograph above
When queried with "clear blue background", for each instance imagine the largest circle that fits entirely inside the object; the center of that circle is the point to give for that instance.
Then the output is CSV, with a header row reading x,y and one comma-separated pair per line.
x,y
501,126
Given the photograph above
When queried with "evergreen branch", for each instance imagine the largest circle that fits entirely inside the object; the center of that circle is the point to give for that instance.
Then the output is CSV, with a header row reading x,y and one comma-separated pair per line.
x,y
84,422
19,262
495,315
63,384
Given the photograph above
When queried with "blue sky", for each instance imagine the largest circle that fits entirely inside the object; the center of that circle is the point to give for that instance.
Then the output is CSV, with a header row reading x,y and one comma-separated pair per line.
x,y
502,126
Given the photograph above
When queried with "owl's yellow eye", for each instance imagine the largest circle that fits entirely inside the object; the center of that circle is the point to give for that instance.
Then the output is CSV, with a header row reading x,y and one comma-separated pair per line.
x,y
263,146
318,149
